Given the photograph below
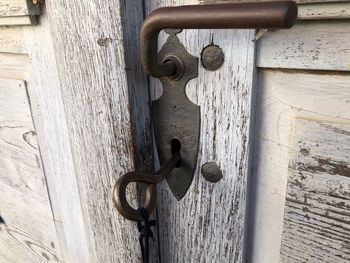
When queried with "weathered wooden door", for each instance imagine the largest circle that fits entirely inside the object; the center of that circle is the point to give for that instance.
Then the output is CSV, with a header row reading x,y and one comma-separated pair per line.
x,y
301,177
208,225
274,118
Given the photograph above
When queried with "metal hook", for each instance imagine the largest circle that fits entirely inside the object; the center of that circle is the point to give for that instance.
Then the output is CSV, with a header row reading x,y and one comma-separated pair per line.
x,y
119,190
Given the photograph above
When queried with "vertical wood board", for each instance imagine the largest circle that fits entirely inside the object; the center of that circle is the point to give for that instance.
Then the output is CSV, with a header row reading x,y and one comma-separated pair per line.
x,y
92,68
316,217
208,225
28,234
44,90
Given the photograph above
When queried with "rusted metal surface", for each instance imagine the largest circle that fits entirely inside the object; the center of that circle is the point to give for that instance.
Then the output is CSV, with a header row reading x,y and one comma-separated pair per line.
x,y
212,57
239,15
176,117
119,190
211,172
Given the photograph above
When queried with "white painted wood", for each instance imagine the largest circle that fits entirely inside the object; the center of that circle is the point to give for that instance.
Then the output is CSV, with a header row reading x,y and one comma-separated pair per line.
x,y
18,20
18,8
12,40
18,12
308,10
314,45
14,66
93,71
335,10
44,90
29,233
297,1
208,224
316,217
281,98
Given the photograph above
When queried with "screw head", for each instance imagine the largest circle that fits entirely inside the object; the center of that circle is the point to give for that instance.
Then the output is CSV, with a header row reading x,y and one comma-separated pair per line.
x,y
212,57
211,172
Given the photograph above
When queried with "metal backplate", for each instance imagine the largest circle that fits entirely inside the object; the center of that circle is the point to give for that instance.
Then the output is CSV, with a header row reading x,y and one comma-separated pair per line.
x,y
176,117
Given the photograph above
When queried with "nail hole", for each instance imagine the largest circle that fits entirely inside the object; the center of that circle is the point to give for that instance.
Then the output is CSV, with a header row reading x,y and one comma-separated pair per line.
x,y
175,148
2,221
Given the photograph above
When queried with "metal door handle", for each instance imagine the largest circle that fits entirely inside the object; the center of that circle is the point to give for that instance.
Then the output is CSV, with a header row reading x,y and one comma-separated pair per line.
x,y
176,119
219,16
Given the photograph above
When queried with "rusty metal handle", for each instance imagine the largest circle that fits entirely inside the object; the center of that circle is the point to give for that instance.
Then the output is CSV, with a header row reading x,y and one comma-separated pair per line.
x,y
220,16
119,190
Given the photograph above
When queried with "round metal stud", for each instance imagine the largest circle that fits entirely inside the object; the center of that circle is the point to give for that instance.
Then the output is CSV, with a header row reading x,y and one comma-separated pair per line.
x,y
212,57
211,172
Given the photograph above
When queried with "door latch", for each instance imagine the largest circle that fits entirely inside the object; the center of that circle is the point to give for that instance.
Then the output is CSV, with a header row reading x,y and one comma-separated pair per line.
x,y
176,120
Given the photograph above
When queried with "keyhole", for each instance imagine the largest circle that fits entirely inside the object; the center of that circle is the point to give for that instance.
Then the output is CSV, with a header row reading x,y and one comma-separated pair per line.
x,y
175,148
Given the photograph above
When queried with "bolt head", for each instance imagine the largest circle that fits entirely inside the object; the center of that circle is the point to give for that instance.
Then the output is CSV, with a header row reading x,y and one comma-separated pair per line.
x,y
212,57
211,172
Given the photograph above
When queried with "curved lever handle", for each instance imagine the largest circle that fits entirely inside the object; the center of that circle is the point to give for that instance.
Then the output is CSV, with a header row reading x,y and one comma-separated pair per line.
x,y
239,15
119,190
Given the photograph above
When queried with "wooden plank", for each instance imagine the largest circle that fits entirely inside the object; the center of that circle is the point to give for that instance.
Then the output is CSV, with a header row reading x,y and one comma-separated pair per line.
x,y
316,218
18,20
246,1
10,8
89,43
336,10
14,66
28,234
310,10
44,90
208,225
318,46
12,40
282,97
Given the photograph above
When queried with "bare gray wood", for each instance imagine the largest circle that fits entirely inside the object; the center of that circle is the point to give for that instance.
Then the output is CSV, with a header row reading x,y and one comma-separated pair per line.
x,y
106,104
309,45
208,225
316,218
28,233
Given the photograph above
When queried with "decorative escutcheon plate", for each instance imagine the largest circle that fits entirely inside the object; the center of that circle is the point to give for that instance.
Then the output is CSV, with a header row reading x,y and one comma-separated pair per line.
x,y
176,119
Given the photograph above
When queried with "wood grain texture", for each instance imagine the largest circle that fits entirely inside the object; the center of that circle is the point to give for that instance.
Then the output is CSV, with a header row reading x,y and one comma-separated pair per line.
x,y
309,10
14,66
208,225
282,97
89,48
12,40
311,45
316,217
245,1
18,12
18,8
18,21
315,11
29,233
44,90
